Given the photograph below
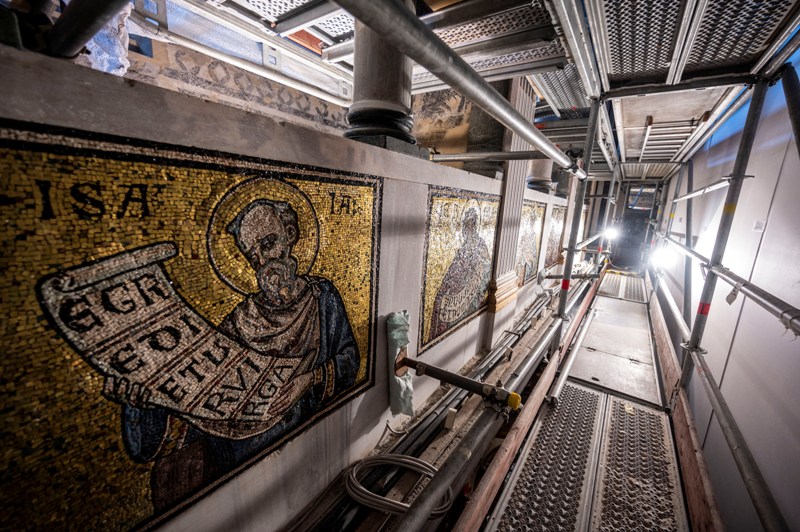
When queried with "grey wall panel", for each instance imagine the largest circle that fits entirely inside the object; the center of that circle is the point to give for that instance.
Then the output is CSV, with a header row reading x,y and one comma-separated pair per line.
x,y
757,365
735,506
760,385
764,366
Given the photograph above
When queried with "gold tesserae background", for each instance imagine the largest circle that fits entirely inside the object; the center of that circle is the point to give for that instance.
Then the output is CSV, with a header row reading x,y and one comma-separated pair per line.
x,y
63,463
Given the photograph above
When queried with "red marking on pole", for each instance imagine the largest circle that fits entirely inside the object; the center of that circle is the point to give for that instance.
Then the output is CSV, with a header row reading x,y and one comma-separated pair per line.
x,y
565,284
600,249
703,308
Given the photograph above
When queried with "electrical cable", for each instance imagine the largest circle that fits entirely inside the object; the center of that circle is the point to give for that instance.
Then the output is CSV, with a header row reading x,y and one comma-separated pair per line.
x,y
384,504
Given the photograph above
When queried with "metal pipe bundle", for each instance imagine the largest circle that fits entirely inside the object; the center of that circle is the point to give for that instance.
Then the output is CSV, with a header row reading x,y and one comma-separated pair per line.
x,y
453,473
485,156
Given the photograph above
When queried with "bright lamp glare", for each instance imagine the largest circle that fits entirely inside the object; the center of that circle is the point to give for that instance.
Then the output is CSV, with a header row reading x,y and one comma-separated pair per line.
x,y
611,233
663,258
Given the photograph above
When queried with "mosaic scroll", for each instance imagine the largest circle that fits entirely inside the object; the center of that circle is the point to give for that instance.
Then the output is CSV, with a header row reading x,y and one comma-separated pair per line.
x,y
458,259
171,316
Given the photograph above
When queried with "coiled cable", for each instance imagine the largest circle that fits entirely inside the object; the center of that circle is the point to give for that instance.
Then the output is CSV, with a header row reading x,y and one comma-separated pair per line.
x,y
384,504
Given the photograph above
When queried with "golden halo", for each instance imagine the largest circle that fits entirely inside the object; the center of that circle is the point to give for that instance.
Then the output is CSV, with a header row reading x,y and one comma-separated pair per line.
x,y
228,261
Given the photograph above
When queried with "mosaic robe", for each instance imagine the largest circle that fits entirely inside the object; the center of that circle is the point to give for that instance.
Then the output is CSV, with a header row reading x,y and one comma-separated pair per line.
x,y
185,457
463,287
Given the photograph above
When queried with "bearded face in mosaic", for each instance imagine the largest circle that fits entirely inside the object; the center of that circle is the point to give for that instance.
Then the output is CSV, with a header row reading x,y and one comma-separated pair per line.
x,y
297,323
265,233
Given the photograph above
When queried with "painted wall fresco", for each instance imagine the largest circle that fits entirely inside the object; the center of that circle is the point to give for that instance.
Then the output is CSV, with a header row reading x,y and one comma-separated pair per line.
x,y
530,240
169,317
458,259
441,120
195,74
555,232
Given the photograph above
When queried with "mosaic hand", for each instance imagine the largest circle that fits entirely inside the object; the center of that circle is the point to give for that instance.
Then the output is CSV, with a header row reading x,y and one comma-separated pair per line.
x,y
291,393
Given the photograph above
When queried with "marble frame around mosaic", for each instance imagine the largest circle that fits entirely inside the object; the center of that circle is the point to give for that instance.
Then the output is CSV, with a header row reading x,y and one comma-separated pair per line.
x,y
187,157
450,192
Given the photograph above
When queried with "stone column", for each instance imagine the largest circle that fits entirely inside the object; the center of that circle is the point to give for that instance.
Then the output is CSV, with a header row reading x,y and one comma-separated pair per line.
x,y
503,286
381,89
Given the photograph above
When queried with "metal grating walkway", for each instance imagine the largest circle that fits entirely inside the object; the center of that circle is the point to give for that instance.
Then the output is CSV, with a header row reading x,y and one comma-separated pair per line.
x,y
639,487
622,286
602,457
594,462
553,489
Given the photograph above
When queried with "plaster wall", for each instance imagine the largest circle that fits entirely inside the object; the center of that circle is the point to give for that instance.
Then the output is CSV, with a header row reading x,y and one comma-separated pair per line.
x,y
273,490
749,351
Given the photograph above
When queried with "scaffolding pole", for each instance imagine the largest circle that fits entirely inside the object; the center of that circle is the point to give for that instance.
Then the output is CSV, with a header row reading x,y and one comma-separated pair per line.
x,y
485,156
687,262
580,192
791,91
79,22
674,204
788,315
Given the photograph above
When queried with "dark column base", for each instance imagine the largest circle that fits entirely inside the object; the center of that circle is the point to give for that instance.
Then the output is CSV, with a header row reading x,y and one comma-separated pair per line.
x,y
376,122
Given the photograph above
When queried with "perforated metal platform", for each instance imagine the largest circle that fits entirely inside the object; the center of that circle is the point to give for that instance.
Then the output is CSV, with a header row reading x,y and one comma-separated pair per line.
x,y
639,487
594,462
552,491
622,286
526,17
640,36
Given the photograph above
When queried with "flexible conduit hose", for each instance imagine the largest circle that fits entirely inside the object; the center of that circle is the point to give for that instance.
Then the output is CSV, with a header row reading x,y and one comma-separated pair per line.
x,y
421,432
384,504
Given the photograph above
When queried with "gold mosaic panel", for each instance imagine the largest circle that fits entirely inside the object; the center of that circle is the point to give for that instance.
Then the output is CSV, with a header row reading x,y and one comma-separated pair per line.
x,y
529,242
145,360
458,259
556,231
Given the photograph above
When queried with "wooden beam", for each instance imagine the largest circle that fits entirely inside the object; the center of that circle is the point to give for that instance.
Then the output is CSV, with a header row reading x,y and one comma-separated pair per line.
x,y
700,500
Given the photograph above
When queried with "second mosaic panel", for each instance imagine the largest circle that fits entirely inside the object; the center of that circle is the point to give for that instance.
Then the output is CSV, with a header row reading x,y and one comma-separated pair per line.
x,y
458,259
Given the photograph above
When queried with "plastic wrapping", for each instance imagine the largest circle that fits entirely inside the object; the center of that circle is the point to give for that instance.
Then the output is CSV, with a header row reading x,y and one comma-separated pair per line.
x,y
401,390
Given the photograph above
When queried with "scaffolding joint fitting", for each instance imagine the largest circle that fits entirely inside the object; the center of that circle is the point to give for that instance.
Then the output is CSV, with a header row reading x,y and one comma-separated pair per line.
x,y
686,346
776,77
731,177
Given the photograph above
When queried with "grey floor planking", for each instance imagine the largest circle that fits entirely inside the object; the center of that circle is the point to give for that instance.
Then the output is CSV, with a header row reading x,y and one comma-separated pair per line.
x,y
617,352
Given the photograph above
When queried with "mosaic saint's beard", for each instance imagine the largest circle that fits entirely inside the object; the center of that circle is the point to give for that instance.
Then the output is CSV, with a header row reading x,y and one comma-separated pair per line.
x,y
278,280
